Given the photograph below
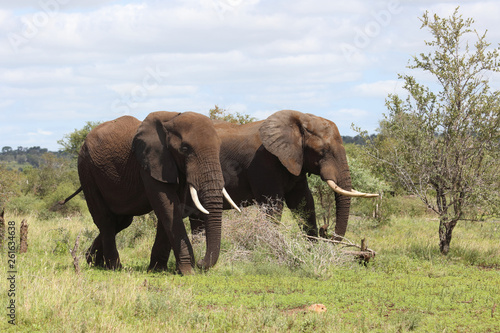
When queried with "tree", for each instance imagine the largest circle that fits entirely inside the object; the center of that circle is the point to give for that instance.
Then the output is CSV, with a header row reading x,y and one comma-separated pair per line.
x,y
73,141
445,146
222,114
9,185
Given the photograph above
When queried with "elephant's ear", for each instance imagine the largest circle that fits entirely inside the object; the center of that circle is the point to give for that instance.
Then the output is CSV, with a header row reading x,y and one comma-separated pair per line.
x,y
150,147
281,135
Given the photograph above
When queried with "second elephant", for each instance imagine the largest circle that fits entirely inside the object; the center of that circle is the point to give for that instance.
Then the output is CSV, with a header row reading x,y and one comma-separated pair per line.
x,y
270,159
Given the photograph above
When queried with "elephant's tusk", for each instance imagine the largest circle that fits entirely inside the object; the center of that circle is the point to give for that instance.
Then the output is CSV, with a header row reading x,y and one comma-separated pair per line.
x,y
352,193
228,198
196,201
366,195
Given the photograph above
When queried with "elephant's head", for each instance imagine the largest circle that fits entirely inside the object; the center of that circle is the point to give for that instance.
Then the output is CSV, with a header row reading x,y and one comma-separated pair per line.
x,y
305,143
176,147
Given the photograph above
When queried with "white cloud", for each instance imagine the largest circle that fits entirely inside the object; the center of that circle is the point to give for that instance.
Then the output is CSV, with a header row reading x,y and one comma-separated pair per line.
x,y
40,132
379,89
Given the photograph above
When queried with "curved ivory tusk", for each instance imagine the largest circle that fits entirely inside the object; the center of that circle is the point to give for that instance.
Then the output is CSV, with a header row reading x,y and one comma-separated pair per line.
x,y
366,195
228,198
196,201
352,193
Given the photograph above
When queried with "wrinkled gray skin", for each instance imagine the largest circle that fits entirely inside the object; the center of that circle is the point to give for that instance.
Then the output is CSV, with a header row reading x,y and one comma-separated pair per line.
x,y
128,168
270,159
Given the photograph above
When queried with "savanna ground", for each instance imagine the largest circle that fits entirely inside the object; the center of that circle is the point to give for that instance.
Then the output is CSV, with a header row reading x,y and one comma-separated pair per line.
x,y
265,280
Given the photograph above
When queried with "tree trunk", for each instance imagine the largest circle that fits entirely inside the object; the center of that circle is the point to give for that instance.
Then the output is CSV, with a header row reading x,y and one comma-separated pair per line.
x,y
2,230
445,231
23,247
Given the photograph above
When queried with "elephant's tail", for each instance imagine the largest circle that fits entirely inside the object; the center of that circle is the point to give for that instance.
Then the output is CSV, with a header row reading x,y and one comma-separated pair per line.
x,y
58,205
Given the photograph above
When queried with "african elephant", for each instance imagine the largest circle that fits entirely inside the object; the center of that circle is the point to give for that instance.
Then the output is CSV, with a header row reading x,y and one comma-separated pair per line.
x,y
128,168
270,159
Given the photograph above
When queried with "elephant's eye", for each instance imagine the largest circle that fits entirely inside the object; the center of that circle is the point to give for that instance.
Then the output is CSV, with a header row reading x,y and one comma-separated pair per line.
x,y
185,149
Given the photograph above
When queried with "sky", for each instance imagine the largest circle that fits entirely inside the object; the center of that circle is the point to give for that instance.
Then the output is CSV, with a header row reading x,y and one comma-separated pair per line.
x,y
66,62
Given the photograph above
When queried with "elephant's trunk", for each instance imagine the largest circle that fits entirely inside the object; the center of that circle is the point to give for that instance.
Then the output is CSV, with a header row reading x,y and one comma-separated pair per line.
x,y
212,201
343,204
209,183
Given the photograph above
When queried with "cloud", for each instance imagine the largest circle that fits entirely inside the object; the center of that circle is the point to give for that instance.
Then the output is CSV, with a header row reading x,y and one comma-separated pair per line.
x,y
40,132
379,89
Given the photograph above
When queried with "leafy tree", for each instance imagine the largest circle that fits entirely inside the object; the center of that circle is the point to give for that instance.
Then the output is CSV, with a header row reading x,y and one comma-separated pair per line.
x,y
10,181
73,141
222,114
444,146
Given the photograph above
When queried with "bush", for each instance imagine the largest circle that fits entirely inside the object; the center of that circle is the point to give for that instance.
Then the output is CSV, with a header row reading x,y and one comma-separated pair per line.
x,y
10,181
76,205
388,206
25,204
254,237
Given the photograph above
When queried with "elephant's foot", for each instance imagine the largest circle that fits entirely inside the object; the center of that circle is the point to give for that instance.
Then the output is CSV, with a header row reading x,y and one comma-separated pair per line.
x,y
94,258
113,264
185,269
159,259
157,266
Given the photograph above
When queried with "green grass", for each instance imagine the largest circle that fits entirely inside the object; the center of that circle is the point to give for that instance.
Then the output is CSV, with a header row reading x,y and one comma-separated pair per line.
x,y
409,286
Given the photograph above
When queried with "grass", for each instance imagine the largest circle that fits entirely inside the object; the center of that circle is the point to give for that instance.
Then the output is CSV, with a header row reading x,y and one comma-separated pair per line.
x,y
255,287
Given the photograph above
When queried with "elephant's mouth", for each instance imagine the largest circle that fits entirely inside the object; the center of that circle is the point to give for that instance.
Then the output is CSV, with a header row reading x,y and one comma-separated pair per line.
x,y
197,203
352,193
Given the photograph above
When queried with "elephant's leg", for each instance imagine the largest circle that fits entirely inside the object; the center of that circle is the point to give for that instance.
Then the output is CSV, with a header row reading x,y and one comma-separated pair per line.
x,y
110,252
166,204
108,242
123,222
301,202
161,250
95,254
107,223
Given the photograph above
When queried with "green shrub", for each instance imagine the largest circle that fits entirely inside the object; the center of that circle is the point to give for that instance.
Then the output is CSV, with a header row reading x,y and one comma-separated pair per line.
x,y
76,205
25,204
382,209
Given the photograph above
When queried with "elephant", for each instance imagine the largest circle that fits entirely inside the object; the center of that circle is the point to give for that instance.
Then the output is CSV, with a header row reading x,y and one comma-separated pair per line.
x,y
270,159
129,168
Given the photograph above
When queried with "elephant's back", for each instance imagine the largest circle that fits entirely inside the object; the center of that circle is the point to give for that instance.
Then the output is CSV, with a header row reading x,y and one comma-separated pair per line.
x,y
108,149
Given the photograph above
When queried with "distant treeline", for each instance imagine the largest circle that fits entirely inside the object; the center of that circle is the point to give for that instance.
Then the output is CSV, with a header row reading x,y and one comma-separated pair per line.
x,y
21,156
357,140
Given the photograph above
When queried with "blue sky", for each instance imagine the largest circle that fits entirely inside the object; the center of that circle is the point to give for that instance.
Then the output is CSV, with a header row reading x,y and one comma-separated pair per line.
x,y
65,62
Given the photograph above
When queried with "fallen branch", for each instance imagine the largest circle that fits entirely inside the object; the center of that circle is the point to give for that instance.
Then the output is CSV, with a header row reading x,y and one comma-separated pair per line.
x,y
346,243
365,254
